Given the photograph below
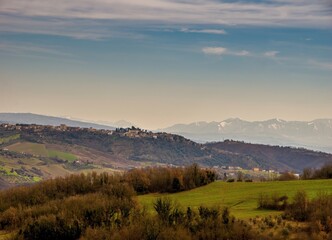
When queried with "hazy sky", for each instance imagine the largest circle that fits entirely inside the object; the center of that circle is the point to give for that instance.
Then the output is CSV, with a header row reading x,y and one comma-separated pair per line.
x,y
160,62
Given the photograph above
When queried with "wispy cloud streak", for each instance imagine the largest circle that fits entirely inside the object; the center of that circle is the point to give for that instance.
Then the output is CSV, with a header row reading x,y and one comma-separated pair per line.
x,y
77,15
214,50
208,31
271,54
21,48
224,51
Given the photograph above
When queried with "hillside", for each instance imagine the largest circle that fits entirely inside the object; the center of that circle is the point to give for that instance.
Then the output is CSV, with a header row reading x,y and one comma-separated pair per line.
x,y
34,152
279,157
240,197
316,134
105,206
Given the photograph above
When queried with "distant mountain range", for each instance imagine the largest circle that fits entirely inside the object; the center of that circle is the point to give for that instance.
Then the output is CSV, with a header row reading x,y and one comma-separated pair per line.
x,y
29,118
316,134
116,124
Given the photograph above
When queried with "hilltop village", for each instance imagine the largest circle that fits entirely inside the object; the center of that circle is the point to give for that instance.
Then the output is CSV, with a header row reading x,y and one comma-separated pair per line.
x,y
132,132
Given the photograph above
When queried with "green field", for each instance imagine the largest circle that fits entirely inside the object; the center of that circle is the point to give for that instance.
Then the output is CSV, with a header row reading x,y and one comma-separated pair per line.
x,y
8,139
241,197
30,148
62,155
41,150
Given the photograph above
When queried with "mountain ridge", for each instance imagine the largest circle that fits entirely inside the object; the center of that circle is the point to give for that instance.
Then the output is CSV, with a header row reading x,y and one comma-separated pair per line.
x,y
315,134
31,118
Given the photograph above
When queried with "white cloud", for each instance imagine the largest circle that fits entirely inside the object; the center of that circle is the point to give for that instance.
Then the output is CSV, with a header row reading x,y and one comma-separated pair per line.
x,y
214,50
224,51
242,53
271,54
80,16
209,31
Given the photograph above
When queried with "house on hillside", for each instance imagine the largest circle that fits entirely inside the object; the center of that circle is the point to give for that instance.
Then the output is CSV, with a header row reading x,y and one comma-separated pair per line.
x,y
132,133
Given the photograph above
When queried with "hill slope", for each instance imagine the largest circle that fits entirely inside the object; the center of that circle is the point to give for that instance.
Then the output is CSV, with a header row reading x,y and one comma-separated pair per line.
x,y
32,152
279,157
240,197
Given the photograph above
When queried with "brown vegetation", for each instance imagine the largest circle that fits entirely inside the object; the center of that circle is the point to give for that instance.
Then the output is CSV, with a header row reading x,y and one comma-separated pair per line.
x,y
324,172
154,179
103,206
98,206
316,213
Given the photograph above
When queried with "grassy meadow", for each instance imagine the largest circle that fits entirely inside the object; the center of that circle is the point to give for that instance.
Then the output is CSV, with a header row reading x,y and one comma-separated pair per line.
x,y
9,138
240,197
41,150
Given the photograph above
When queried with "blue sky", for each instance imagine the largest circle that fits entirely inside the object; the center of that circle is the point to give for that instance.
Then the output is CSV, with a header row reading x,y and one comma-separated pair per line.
x,y
160,62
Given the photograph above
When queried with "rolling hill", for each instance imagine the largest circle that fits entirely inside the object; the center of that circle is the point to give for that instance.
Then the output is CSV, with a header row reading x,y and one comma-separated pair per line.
x,y
280,157
33,152
240,197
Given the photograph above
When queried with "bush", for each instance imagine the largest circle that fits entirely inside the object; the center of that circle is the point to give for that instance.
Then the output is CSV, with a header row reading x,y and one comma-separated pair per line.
x,y
287,176
51,227
299,209
324,173
272,202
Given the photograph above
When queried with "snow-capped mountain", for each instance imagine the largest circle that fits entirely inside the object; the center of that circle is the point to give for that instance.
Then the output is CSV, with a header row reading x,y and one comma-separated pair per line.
x,y
316,134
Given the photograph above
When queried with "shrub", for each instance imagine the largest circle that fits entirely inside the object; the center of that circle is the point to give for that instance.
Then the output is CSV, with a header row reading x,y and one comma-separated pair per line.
x,y
299,209
287,176
272,202
51,227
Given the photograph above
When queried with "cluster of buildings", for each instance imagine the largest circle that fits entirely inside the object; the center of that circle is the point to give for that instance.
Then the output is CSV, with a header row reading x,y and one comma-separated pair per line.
x,y
37,128
237,168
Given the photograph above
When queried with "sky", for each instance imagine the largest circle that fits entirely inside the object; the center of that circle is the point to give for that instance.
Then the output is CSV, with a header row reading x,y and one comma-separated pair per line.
x,y
160,62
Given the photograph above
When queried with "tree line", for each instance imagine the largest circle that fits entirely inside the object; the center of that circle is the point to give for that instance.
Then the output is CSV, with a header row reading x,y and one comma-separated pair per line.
x,y
75,206
169,179
324,172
